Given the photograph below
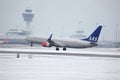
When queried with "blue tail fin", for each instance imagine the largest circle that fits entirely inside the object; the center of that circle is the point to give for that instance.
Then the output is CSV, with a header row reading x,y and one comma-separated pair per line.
x,y
94,36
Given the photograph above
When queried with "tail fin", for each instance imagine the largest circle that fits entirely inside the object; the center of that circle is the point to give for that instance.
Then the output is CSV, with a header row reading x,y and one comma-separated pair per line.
x,y
5,40
94,36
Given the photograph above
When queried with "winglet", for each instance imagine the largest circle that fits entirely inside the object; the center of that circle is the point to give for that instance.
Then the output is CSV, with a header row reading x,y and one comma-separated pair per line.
x,y
49,39
50,36
94,36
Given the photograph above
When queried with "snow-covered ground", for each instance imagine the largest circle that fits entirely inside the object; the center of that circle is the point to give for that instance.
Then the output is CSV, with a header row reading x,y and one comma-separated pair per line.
x,y
55,67
59,67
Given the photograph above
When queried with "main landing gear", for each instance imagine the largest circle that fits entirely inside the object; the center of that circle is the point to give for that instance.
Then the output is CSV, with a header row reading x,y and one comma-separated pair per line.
x,y
64,49
57,48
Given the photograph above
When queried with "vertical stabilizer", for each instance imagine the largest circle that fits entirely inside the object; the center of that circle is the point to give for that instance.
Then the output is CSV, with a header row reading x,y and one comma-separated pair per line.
x,y
94,36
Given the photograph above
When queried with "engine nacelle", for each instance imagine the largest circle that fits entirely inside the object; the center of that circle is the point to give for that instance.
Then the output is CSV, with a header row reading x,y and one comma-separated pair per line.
x,y
45,44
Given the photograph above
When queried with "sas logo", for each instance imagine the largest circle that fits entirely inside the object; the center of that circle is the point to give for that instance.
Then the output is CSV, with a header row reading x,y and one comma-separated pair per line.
x,y
93,38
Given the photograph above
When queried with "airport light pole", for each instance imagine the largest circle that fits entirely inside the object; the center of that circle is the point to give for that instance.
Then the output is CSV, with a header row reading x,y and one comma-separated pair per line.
x,y
117,25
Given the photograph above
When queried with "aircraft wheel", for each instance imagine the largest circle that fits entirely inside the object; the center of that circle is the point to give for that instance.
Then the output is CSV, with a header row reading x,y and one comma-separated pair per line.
x,y
31,44
57,48
64,48
18,55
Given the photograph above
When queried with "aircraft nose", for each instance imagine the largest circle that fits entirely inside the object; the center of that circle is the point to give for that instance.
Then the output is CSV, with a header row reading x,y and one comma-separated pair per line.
x,y
27,38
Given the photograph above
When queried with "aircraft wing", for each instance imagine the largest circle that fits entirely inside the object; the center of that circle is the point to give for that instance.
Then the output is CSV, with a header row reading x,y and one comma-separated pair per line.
x,y
54,42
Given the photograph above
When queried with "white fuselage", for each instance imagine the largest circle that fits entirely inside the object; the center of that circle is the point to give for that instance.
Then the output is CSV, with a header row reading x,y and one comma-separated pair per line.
x,y
1,42
63,42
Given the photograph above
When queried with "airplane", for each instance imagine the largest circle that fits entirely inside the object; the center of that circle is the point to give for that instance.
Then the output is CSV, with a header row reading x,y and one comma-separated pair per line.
x,y
91,41
4,41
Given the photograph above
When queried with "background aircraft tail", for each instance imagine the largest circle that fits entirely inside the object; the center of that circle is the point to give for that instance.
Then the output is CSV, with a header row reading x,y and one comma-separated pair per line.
x,y
5,40
94,36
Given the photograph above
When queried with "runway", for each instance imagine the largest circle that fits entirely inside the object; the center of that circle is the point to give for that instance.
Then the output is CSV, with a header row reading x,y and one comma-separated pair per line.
x,y
57,66
89,52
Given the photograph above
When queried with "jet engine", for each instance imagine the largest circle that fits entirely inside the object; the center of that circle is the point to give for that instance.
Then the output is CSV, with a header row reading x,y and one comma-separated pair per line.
x,y
45,44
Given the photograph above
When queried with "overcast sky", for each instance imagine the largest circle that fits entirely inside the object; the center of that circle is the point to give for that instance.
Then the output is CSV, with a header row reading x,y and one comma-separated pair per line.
x,y
62,17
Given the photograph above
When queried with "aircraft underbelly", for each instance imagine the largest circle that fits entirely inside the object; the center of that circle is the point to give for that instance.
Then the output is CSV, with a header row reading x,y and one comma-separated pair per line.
x,y
72,44
77,45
